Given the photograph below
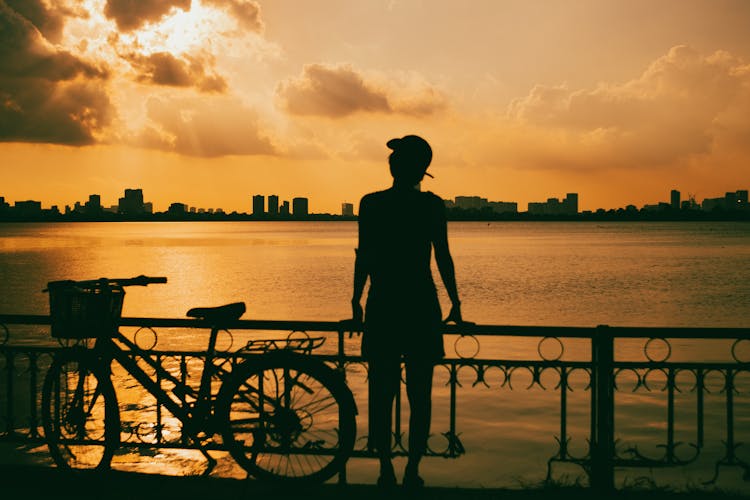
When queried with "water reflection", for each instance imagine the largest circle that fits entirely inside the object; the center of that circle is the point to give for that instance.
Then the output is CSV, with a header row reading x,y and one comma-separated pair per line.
x,y
558,274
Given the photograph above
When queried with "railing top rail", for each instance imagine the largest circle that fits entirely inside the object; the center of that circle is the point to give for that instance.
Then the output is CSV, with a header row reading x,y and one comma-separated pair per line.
x,y
483,330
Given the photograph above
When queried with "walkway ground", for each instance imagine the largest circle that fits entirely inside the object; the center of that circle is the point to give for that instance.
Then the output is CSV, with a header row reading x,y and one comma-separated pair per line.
x,y
17,481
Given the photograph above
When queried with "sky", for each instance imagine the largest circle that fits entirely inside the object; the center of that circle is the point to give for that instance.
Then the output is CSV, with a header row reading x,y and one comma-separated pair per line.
x,y
208,102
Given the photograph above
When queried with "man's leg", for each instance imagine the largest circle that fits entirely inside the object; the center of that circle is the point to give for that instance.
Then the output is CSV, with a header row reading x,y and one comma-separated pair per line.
x,y
384,376
419,392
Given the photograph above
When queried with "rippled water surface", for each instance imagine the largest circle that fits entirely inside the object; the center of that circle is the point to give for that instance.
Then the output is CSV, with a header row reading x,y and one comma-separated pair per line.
x,y
536,273
514,273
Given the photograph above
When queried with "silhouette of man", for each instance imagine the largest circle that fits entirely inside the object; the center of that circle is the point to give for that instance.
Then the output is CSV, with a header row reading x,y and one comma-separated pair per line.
x,y
398,228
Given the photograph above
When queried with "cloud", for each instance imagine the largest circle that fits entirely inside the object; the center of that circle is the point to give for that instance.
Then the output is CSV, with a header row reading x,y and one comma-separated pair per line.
x,y
47,94
48,19
195,127
340,91
132,14
163,68
246,12
679,107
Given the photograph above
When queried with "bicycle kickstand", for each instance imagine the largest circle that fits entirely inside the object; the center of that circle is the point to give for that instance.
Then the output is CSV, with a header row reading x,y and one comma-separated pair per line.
x,y
211,462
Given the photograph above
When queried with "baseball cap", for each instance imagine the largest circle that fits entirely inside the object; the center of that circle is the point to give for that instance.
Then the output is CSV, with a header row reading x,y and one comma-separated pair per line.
x,y
412,149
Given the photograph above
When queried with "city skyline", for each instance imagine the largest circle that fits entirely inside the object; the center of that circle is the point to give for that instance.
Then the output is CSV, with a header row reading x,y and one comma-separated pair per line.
x,y
200,101
133,203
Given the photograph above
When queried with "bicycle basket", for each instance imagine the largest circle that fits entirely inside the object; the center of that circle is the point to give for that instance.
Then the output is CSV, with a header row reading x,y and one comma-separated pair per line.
x,y
79,312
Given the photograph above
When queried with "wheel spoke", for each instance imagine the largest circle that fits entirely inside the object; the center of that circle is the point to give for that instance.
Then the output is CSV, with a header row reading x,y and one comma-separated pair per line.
x,y
292,415
79,414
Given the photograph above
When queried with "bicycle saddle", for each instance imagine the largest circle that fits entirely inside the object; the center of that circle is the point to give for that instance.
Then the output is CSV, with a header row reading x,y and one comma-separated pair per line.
x,y
229,312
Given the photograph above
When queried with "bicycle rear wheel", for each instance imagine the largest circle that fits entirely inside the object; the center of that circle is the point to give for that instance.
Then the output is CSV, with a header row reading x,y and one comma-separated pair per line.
x,y
79,412
288,418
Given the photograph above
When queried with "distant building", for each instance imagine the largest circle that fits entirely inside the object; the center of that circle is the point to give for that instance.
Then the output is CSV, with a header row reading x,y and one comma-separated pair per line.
x,y
300,207
479,203
259,202
503,207
347,209
284,209
177,209
710,204
94,205
28,208
470,202
273,205
553,206
571,203
742,201
131,203
730,201
674,198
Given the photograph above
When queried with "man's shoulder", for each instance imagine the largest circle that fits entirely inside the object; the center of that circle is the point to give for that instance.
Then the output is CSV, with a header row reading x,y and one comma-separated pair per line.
x,y
434,199
373,197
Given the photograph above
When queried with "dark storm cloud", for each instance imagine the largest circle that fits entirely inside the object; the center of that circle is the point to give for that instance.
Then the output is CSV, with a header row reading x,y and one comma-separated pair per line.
x,y
246,12
162,68
132,14
47,19
340,91
46,95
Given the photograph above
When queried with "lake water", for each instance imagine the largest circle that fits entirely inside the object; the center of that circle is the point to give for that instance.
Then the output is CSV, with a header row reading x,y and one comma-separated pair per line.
x,y
510,273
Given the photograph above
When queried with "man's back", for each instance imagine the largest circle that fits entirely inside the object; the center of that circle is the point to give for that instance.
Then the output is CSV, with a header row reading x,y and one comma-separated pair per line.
x,y
397,228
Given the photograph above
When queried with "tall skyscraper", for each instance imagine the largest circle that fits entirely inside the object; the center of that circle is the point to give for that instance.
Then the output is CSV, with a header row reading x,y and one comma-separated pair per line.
x,y
131,203
284,209
273,205
347,209
259,202
571,203
299,207
674,199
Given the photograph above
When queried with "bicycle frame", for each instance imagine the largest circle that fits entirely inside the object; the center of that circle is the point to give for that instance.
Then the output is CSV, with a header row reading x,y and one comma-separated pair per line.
x,y
195,416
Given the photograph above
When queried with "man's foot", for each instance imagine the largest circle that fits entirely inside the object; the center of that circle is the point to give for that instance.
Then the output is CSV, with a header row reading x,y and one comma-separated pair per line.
x,y
387,479
413,482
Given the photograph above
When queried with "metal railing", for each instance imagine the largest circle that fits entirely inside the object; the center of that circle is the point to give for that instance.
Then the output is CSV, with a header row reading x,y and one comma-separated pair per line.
x,y
600,355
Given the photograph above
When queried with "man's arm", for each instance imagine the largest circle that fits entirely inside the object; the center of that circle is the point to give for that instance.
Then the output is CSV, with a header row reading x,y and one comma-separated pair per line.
x,y
445,265
361,270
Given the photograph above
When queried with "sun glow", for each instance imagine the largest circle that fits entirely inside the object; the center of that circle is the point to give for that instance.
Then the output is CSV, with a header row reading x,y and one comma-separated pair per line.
x,y
181,32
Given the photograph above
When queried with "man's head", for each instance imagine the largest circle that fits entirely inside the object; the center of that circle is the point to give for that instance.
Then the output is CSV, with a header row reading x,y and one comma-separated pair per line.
x,y
410,158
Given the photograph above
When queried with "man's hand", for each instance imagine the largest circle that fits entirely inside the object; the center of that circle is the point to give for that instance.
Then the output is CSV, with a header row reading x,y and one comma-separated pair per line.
x,y
357,313
455,314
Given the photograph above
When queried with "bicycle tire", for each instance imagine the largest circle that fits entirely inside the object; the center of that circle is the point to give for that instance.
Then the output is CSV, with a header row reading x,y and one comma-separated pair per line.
x,y
80,415
303,434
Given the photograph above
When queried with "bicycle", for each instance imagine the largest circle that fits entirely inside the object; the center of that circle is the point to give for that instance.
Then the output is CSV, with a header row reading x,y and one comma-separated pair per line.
x,y
282,415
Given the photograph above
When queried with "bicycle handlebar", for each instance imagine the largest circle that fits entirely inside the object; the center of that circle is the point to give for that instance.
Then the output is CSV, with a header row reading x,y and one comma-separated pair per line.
x,y
137,281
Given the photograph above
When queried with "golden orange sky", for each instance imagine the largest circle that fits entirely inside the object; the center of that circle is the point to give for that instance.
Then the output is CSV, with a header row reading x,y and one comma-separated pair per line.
x,y
207,102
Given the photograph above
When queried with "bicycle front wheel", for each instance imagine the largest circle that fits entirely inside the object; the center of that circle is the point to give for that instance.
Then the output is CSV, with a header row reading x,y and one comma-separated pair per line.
x,y
79,412
288,418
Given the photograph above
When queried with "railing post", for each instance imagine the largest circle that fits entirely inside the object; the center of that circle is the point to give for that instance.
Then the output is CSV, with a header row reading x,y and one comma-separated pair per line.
x,y
602,474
